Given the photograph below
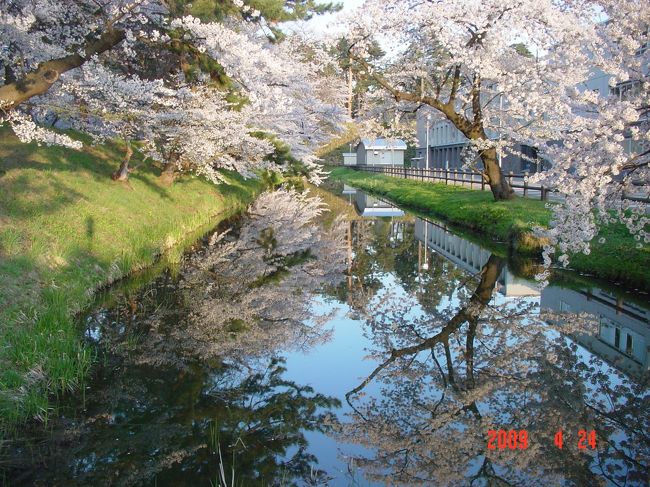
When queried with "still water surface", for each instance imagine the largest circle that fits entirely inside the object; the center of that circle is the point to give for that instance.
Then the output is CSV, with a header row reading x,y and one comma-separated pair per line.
x,y
393,373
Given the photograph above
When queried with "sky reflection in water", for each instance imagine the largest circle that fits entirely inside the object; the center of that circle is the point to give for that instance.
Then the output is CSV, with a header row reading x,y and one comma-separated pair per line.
x,y
394,376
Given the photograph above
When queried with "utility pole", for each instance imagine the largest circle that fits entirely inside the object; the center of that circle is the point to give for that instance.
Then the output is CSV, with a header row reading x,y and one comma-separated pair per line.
x,y
500,128
350,90
426,157
425,266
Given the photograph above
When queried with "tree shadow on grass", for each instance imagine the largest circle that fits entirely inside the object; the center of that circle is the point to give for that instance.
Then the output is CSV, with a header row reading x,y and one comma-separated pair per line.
x,y
34,179
15,155
149,183
235,187
24,197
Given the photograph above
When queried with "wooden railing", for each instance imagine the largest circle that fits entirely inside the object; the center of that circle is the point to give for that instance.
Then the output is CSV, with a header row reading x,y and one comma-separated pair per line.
x,y
472,179
454,176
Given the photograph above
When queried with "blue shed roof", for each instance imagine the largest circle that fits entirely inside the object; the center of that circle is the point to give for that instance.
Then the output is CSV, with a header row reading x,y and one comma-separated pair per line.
x,y
381,143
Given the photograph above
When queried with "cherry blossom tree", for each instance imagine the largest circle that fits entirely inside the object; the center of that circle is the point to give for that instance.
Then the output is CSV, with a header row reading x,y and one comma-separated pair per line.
x,y
45,38
463,61
133,67
201,133
107,104
288,95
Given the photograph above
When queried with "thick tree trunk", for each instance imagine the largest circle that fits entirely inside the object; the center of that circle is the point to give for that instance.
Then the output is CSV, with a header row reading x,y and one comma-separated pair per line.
x,y
499,185
472,129
169,172
122,174
47,73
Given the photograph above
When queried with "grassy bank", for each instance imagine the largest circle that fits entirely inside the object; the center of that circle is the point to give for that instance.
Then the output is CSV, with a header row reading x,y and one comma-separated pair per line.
x,y
67,229
617,260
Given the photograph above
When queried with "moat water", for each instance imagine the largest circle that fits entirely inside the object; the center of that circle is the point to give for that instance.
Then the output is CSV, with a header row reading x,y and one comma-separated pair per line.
x,y
433,359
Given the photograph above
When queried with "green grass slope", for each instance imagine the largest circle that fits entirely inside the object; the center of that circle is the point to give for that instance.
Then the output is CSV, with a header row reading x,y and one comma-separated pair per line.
x,y
66,229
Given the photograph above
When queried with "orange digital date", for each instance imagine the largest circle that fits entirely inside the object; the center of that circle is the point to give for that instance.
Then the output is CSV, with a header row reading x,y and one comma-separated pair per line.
x,y
511,439
585,438
518,439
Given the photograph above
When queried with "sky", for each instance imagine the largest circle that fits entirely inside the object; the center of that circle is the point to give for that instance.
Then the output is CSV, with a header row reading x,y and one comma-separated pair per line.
x,y
328,23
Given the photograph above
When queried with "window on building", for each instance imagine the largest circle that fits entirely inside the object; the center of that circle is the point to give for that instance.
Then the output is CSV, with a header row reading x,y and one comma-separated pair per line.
x,y
625,91
644,46
617,338
628,345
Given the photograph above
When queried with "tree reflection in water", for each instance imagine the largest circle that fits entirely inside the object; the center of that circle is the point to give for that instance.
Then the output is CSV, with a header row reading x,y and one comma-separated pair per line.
x,y
449,376
193,369
192,381
165,427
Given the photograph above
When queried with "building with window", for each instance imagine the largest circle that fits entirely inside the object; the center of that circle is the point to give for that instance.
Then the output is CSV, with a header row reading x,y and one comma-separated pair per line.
x,y
446,145
599,82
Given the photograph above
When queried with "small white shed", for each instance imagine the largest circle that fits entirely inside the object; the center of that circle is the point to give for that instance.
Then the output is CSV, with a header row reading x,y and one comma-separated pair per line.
x,y
381,152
